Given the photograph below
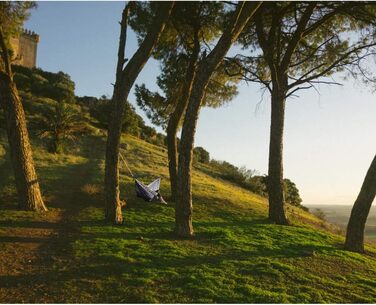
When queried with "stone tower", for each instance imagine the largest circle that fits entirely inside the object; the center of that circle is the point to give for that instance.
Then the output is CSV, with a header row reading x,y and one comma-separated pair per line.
x,y
25,49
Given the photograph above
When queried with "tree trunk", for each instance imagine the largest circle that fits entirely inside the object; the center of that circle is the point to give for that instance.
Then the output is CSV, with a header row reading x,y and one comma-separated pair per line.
x,y
113,205
355,228
275,175
176,116
56,144
125,79
183,209
29,194
172,153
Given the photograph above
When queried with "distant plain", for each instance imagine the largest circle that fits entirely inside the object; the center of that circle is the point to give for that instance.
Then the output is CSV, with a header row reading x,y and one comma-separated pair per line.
x,y
339,215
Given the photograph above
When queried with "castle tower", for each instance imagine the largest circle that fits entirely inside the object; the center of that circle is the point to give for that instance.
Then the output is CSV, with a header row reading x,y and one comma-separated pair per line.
x,y
25,49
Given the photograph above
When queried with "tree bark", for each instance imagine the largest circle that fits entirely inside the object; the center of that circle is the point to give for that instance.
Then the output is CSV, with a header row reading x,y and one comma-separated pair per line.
x,y
29,194
125,79
176,116
355,228
275,175
183,209
27,185
172,152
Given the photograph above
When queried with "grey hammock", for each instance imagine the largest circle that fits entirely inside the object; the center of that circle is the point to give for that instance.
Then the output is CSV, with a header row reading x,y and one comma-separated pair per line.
x,y
148,192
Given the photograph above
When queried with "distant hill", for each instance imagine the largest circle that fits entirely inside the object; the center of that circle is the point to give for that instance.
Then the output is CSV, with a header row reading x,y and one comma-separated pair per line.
x,y
339,215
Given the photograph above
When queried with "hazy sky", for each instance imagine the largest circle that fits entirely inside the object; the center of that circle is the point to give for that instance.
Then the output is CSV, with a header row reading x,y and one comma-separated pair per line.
x,y
329,137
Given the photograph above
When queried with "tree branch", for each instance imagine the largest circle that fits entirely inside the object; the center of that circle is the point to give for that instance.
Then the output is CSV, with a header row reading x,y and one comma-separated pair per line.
x,y
336,63
327,17
256,79
297,89
309,56
122,41
298,34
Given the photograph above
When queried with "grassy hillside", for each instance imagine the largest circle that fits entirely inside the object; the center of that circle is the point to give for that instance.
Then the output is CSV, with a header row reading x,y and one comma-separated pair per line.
x,y
70,255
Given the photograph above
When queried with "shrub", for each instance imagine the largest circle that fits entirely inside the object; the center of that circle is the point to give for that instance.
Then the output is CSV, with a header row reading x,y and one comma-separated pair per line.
x,y
59,123
201,155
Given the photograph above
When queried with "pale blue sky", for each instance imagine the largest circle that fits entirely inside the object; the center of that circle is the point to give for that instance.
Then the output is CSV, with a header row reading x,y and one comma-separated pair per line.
x,y
329,138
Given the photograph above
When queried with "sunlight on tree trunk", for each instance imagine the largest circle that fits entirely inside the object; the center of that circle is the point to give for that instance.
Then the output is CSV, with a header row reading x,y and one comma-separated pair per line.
x,y
355,228
29,195
172,152
183,209
176,116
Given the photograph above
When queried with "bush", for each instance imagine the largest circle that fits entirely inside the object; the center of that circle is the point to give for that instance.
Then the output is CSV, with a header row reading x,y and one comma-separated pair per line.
x,y
100,110
201,155
59,123
258,184
319,214
57,86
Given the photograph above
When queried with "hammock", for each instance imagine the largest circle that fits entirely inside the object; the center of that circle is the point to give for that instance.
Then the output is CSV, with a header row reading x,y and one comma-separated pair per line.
x,y
147,192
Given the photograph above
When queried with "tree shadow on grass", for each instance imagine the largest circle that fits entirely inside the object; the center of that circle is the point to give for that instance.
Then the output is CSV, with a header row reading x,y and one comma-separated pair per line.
x,y
126,256
64,183
133,272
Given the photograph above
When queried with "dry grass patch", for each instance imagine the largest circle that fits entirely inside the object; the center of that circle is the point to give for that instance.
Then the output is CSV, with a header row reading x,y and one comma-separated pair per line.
x,y
91,189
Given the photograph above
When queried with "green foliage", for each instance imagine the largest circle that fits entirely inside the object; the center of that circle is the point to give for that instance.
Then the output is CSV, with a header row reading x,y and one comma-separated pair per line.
x,y
56,86
228,171
292,195
208,17
155,106
42,91
158,108
201,155
191,23
60,123
337,37
13,14
100,110
248,179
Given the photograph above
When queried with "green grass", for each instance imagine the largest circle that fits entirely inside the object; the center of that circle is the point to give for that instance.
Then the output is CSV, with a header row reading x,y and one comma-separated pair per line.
x,y
236,255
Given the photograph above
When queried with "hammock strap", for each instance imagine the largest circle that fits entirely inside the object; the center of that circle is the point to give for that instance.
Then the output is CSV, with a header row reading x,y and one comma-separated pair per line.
x,y
126,165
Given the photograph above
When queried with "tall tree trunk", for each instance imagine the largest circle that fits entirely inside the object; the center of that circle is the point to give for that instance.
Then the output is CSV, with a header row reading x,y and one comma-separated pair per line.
x,y
183,209
176,116
29,194
172,151
275,175
355,228
125,79
113,205
55,143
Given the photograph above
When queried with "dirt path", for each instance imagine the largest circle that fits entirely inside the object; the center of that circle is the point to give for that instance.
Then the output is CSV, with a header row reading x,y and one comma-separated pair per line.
x,y
33,253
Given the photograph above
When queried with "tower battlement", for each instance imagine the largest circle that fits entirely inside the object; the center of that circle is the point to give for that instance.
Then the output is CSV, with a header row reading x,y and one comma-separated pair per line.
x,y
30,34
25,48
